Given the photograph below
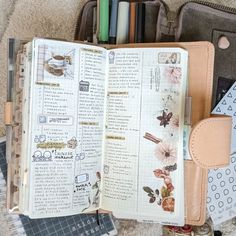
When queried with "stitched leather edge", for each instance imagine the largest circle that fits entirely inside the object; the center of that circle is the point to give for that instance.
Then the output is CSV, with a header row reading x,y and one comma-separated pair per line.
x,y
203,193
208,93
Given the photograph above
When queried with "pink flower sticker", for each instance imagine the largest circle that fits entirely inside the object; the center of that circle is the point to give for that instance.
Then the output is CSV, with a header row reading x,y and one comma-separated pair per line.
x,y
173,74
174,122
166,153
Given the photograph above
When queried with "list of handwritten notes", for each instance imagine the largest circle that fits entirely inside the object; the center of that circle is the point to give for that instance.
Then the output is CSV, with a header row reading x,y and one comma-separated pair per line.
x,y
67,128
122,131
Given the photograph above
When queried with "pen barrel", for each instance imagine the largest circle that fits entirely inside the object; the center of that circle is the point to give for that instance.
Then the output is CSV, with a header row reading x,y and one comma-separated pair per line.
x,y
113,19
140,22
132,19
123,23
103,20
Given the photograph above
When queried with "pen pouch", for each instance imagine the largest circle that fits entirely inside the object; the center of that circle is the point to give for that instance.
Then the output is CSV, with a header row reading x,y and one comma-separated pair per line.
x,y
193,21
84,27
154,10
216,24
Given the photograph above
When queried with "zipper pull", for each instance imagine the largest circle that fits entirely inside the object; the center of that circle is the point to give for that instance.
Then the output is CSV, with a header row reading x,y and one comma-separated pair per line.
x,y
171,16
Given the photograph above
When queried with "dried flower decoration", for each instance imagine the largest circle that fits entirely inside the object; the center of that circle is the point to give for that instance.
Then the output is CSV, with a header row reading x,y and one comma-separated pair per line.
x,y
165,118
166,153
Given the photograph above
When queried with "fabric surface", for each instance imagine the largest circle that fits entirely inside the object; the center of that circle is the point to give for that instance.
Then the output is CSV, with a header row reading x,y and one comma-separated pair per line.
x,y
57,18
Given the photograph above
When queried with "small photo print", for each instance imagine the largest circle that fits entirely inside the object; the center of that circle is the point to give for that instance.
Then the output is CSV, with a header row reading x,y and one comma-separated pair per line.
x,y
54,62
169,58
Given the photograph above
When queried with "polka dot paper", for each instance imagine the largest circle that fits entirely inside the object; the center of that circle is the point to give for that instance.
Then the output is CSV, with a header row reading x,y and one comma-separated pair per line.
x,y
221,199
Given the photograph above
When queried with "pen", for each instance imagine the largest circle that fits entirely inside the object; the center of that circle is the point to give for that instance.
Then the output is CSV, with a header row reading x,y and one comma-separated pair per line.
x,y
11,57
10,83
132,17
103,21
97,217
123,23
113,21
140,16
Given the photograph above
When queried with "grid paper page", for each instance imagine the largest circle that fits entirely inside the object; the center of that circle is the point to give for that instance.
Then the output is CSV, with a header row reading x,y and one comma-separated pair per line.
x,y
143,162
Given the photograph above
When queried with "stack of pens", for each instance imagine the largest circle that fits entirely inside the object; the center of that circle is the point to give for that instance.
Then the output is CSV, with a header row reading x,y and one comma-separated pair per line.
x,y
119,22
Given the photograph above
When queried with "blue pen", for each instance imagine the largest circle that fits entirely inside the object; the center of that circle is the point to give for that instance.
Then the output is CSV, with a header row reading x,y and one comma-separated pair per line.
x,y
113,21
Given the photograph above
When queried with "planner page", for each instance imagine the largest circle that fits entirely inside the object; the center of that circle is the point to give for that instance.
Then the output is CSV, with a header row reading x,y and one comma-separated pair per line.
x,y
143,163
66,128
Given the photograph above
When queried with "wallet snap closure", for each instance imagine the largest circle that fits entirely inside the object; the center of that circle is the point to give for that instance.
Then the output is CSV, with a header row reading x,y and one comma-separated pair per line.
x,y
210,142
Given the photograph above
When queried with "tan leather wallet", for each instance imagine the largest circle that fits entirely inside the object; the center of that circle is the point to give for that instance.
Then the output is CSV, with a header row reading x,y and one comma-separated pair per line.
x,y
207,147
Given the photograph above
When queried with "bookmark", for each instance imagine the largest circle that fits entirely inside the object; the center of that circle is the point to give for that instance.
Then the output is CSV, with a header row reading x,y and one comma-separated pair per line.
x,y
104,21
123,23
113,21
140,18
132,19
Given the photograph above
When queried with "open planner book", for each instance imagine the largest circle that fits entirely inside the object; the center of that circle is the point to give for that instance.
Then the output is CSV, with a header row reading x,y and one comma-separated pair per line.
x,y
97,128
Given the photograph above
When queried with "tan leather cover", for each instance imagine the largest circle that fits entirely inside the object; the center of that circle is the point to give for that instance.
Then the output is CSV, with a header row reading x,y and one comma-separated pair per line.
x,y
195,189
205,142
201,61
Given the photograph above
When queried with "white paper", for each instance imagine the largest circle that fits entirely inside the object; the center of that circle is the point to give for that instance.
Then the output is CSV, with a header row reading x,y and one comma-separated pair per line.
x,y
66,124
145,102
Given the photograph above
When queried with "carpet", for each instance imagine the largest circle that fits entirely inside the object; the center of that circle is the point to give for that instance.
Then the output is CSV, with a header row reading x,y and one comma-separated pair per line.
x,y
57,19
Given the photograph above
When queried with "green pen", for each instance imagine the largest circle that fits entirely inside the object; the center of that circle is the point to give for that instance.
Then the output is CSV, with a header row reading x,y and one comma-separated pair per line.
x,y
104,21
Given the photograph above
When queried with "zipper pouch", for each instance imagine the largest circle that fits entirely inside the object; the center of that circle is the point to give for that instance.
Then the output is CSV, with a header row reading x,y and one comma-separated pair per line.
x,y
193,21
217,24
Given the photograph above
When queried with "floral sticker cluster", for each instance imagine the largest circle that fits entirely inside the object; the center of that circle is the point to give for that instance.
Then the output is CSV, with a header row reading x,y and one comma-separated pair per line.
x,y
166,151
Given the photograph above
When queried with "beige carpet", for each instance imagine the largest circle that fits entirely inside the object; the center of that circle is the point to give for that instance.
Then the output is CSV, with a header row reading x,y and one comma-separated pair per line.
x,y
57,18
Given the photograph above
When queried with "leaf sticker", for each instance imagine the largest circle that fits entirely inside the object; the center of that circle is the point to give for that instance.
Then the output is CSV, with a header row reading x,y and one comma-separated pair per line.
x,y
171,167
95,185
148,190
159,202
152,199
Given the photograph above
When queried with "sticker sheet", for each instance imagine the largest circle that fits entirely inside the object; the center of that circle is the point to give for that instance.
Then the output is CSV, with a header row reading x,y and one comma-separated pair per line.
x,y
221,200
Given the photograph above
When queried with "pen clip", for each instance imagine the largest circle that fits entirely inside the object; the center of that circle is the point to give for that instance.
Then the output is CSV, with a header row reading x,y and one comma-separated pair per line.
x,y
97,217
